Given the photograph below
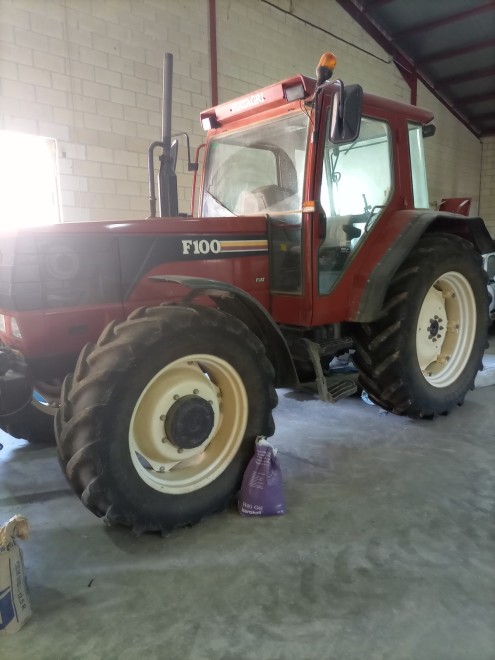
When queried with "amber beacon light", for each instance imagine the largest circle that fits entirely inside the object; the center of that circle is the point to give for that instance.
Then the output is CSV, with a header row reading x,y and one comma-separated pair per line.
x,y
325,68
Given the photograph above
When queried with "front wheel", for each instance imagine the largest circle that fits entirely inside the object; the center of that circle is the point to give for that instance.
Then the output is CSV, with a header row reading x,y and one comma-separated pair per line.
x,y
158,422
422,356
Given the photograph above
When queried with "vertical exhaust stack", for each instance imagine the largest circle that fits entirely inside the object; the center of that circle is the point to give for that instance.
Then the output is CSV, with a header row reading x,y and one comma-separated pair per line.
x,y
167,179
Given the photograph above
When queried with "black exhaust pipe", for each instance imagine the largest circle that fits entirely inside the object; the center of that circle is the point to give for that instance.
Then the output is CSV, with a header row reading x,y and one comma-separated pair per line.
x,y
167,179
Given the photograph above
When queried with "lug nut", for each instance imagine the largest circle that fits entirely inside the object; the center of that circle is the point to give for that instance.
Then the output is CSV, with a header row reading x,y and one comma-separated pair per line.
x,y
162,469
176,396
195,391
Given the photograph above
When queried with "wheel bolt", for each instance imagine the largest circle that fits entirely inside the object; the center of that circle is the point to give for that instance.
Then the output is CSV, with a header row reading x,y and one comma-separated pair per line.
x,y
180,450
195,391
162,469
163,417
176,396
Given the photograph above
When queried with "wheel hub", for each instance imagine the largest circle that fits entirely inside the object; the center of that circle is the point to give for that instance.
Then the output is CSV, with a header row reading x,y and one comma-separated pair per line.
x,y
446,329
189,422
434,328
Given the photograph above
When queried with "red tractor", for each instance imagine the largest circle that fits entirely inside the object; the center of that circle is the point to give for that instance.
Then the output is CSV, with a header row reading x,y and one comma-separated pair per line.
x,y
313,237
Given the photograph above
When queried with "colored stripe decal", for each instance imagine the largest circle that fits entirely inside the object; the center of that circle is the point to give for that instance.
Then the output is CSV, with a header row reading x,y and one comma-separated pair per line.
x,y
244,246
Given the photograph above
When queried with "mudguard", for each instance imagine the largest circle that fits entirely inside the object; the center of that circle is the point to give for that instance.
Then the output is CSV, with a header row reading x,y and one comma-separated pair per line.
x,y
472,229
232,300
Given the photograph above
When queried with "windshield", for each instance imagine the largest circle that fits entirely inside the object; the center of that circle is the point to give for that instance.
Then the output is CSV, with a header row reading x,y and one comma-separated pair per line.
x,y
257,169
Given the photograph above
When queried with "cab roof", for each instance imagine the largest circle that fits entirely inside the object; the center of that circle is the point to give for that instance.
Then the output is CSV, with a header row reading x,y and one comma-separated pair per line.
x,y
300,88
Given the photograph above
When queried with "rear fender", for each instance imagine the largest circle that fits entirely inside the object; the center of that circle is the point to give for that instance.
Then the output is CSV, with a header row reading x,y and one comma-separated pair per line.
x,y
246,308
472,229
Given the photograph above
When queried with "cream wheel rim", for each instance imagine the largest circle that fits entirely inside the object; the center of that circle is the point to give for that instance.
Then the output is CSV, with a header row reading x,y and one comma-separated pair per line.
x,y
217,392
446,329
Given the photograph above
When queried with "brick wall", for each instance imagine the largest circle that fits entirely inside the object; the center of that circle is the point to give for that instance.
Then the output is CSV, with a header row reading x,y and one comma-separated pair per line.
x,y
88,72
487,188
453,155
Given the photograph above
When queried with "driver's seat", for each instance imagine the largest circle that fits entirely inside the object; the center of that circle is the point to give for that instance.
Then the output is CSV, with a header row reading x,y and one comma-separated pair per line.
x,y
260,199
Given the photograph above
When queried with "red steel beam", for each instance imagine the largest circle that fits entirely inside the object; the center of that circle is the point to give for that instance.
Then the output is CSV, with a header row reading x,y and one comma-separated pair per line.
x,y
483,117
442,22
466,77
476,98
455,52
212,24
358,13
376,3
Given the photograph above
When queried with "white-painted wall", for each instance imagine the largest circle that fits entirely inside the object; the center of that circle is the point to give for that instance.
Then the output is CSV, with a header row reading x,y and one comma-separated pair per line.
x,y
88,72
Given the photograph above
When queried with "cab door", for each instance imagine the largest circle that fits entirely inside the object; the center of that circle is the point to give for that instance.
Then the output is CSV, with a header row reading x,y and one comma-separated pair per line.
x,y
355,184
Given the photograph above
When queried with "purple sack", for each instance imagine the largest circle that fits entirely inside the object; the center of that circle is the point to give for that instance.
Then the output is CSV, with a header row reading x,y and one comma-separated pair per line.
x,y
262,492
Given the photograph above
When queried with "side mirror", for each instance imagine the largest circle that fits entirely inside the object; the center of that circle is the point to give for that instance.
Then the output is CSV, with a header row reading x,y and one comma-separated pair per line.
x,y
345,120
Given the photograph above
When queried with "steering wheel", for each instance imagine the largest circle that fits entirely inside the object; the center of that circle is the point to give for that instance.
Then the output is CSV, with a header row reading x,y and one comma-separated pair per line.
x,y
371,215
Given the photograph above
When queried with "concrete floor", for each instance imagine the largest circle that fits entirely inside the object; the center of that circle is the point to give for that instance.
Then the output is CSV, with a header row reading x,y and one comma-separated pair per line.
x,y
387,551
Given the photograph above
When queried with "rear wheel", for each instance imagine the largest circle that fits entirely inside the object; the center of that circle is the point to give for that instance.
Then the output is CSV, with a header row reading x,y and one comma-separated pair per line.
x,y
158,422
422,356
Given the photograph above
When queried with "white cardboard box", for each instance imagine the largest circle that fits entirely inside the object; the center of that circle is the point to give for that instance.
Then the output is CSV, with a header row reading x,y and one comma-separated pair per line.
x,y
15,606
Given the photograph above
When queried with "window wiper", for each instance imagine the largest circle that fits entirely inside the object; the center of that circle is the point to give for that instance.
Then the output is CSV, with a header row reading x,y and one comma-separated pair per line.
x,y
217,201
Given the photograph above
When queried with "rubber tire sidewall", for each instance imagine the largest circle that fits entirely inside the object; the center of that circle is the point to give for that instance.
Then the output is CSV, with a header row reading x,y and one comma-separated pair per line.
x,y
422,392
126,490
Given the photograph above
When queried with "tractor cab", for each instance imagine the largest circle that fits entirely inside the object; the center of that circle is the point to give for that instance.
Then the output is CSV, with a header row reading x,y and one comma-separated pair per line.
x,y
321,163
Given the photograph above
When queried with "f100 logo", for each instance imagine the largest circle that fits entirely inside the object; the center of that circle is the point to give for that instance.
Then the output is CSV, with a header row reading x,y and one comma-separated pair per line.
x,y
202,246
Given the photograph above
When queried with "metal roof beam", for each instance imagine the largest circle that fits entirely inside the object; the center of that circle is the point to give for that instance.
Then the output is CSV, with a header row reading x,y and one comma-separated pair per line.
x,y
359,14
455,52
376,3
442,22
466,77
476,98
483,117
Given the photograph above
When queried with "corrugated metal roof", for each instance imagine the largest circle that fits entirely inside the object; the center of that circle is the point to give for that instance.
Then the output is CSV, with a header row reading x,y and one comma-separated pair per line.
x,y
449,44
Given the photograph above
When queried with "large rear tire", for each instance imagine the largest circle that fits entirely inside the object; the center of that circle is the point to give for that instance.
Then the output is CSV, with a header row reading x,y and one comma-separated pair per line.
x,y
422,356
158,422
